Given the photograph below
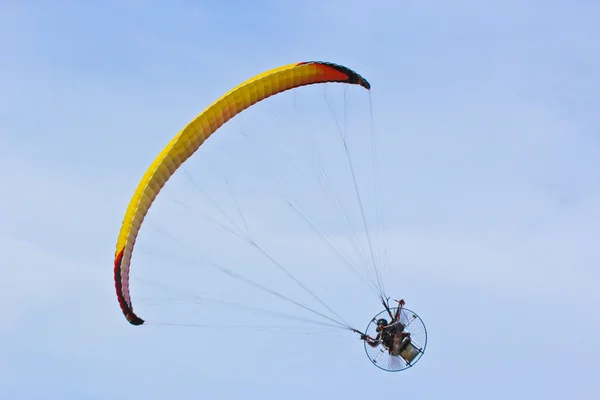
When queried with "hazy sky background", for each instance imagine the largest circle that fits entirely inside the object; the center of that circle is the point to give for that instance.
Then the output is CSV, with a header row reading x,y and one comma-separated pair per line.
x,y
488,132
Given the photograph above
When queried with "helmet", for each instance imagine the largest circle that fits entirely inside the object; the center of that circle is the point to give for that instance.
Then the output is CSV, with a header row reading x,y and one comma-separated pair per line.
x,y
381,322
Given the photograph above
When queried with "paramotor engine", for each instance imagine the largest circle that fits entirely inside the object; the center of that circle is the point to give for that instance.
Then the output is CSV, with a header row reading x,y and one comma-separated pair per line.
x,y
413,346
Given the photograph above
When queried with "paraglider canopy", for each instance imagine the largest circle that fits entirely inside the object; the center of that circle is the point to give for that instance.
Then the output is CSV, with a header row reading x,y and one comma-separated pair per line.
x,y
192,136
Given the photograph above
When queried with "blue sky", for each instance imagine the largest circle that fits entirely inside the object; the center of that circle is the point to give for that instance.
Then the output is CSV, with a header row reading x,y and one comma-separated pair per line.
x,y
488,133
